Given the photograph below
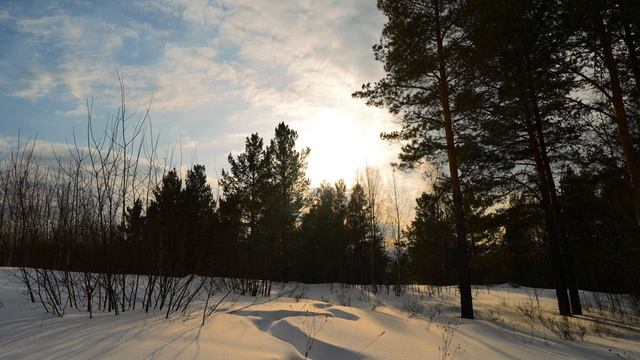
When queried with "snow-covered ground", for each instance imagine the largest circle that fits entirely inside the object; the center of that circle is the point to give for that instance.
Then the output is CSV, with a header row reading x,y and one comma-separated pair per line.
x,y
326,321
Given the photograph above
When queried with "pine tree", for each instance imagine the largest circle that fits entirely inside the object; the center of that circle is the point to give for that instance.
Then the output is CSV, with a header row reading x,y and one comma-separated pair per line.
x,y
520,49
418,47
289,189
357,227
248,184
319,246
603,32
599,216
431,238
199,217
164,223
339,233
135,220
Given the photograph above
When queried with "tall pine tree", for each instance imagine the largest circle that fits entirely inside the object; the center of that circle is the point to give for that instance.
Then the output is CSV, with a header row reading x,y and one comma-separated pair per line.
x,y
418,47
289,190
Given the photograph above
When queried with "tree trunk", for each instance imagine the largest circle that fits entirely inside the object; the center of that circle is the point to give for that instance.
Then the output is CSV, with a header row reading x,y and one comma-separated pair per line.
x,y
464,278
554,203
621,120
551,224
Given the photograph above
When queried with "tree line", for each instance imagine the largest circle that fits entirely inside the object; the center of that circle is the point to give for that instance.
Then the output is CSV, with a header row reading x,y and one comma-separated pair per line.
x,y
111,207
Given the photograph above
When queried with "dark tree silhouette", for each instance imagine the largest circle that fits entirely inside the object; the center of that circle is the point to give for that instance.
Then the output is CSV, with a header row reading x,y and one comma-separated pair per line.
x,y
418,49
289,191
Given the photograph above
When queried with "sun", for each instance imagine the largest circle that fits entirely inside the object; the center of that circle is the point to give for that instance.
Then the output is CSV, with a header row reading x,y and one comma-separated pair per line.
x,y
340,145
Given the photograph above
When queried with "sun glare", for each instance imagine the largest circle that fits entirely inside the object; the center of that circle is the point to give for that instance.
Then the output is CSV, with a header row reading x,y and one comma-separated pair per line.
x,y
339,146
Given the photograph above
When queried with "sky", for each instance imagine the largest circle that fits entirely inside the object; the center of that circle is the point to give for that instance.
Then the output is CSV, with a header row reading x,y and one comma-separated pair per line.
x,y
213,72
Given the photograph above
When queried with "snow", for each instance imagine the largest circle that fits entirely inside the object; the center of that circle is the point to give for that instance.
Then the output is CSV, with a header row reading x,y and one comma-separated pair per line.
x,y
327,321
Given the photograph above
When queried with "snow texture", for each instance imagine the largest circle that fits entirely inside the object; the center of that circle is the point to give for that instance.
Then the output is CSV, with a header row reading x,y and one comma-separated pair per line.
x,y
325,321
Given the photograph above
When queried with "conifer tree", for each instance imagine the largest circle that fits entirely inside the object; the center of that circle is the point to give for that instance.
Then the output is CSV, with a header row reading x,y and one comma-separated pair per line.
x,y
247,182
289,189
605,37
320,248
418,47
357,226
199,217
431,236
135,220
339,233
163,215
519,49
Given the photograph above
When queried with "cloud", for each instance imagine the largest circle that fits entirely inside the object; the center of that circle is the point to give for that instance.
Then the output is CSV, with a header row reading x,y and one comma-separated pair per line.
x,y
43,150
201,12
301,54
4,15
189,76
59,27
69,53
39,86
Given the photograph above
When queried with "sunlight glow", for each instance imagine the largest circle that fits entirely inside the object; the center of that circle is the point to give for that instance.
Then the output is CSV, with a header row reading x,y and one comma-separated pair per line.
x,y
340,146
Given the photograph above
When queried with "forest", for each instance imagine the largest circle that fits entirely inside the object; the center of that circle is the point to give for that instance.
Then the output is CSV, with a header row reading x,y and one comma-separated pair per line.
x,y
526,112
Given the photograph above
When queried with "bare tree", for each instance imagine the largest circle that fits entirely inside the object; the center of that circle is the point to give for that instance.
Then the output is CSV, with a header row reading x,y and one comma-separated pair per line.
x,y
397,216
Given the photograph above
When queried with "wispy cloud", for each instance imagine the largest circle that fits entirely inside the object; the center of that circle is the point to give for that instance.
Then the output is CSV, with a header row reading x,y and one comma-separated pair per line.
x,y
4,15
44,150
58,27
38,86
201,12
189,76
